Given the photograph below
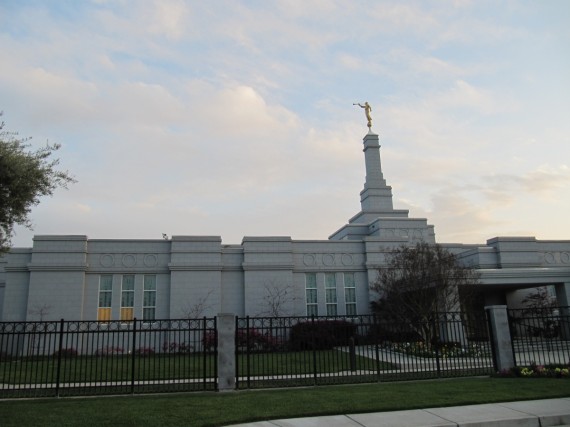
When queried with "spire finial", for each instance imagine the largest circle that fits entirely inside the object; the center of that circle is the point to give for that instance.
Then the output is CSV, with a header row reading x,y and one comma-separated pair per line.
x,y
367,110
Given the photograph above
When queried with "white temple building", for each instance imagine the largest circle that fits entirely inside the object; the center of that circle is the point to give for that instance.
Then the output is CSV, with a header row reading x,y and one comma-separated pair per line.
x,y
73,277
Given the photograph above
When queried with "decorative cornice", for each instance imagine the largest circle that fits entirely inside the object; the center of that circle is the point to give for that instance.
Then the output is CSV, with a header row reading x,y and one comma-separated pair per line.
x,y
251,266
195,267
16,269
526,273
57,267
134,270
267,239
238,268
318,268
217,251
267,251
60,237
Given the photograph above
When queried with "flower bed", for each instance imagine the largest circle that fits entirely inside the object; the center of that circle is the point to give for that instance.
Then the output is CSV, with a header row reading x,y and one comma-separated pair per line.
x,y
451,349
537,371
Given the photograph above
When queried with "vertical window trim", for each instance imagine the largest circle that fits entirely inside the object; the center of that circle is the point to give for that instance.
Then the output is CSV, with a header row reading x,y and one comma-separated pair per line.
x,y
312,308
127,311
348,303
331,296
104,311
146,292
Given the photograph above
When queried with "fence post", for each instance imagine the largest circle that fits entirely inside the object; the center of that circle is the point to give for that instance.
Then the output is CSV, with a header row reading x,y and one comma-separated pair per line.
x,y
436,341
247,352
204,352
503,354
314,342
60,347
563,302
133,355
376,336
226,323
352,352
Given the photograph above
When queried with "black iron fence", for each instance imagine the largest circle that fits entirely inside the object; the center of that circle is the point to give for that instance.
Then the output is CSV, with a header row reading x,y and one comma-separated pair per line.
x,y
87,358
294,351
74,358
540,335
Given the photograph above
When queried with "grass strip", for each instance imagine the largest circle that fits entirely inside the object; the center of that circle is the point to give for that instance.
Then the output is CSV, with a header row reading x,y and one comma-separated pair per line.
x,y
219,409
180,366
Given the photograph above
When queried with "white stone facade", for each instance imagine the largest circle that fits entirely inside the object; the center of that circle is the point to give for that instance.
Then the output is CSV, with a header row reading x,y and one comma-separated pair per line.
x,y
76,278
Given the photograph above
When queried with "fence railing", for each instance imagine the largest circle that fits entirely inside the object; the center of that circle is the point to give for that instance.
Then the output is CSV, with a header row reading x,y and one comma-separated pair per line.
x,y
73,358
540,336
87,358
292,351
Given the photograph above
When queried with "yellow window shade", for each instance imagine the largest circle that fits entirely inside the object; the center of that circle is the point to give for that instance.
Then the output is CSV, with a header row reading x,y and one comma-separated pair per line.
x,y
127,313
104,314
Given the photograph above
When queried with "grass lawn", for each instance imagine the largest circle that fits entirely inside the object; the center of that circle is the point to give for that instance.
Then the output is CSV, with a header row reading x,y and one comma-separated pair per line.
x,y
178,366
218,409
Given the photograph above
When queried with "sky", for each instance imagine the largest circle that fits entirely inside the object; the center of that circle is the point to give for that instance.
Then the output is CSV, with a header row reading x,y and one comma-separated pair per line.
x,y
236,118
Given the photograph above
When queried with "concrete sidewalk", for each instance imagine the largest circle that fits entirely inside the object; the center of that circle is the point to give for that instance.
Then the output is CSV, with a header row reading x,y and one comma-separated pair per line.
x,y
531,413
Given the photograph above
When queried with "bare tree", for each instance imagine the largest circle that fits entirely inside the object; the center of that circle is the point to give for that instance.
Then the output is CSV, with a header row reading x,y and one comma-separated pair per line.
x,y
197,309
416,284
538,300
37,328
536,317
40,311
277,298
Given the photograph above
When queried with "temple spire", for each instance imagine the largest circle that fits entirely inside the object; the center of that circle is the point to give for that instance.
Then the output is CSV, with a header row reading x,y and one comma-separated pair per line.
x,y
376,195
377,217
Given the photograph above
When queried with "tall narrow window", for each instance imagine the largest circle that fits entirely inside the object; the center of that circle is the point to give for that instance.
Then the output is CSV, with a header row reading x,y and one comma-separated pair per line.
x,y
330,294
311,294
127,297
149,297
105,298
350,294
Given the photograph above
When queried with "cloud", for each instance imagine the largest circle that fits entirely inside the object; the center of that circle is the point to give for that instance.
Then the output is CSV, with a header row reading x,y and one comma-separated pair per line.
x,y
542,183
465,95
236,118
168,18
493,205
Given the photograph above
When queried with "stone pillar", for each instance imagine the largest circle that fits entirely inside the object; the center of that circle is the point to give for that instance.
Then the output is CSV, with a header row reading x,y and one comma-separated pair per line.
x,y
376,195
374,177
563,302
501,336
226,323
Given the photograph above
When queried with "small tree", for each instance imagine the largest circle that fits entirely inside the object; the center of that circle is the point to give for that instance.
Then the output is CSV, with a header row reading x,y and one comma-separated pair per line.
x,y
277,299
40,311
416,283
198,308
537,313
538,301
25,176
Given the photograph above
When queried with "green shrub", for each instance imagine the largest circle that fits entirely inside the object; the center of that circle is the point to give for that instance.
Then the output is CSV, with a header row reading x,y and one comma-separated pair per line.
x,y
66,353
321,334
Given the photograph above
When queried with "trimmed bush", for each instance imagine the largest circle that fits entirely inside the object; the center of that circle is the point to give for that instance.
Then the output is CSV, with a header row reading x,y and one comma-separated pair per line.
x,y
66,353
257,341
144,351
109,351
5,357
247,339
321,334
210,340
176,348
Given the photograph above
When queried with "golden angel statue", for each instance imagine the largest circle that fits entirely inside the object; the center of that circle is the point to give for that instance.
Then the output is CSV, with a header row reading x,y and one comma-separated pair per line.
x,y
367,110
